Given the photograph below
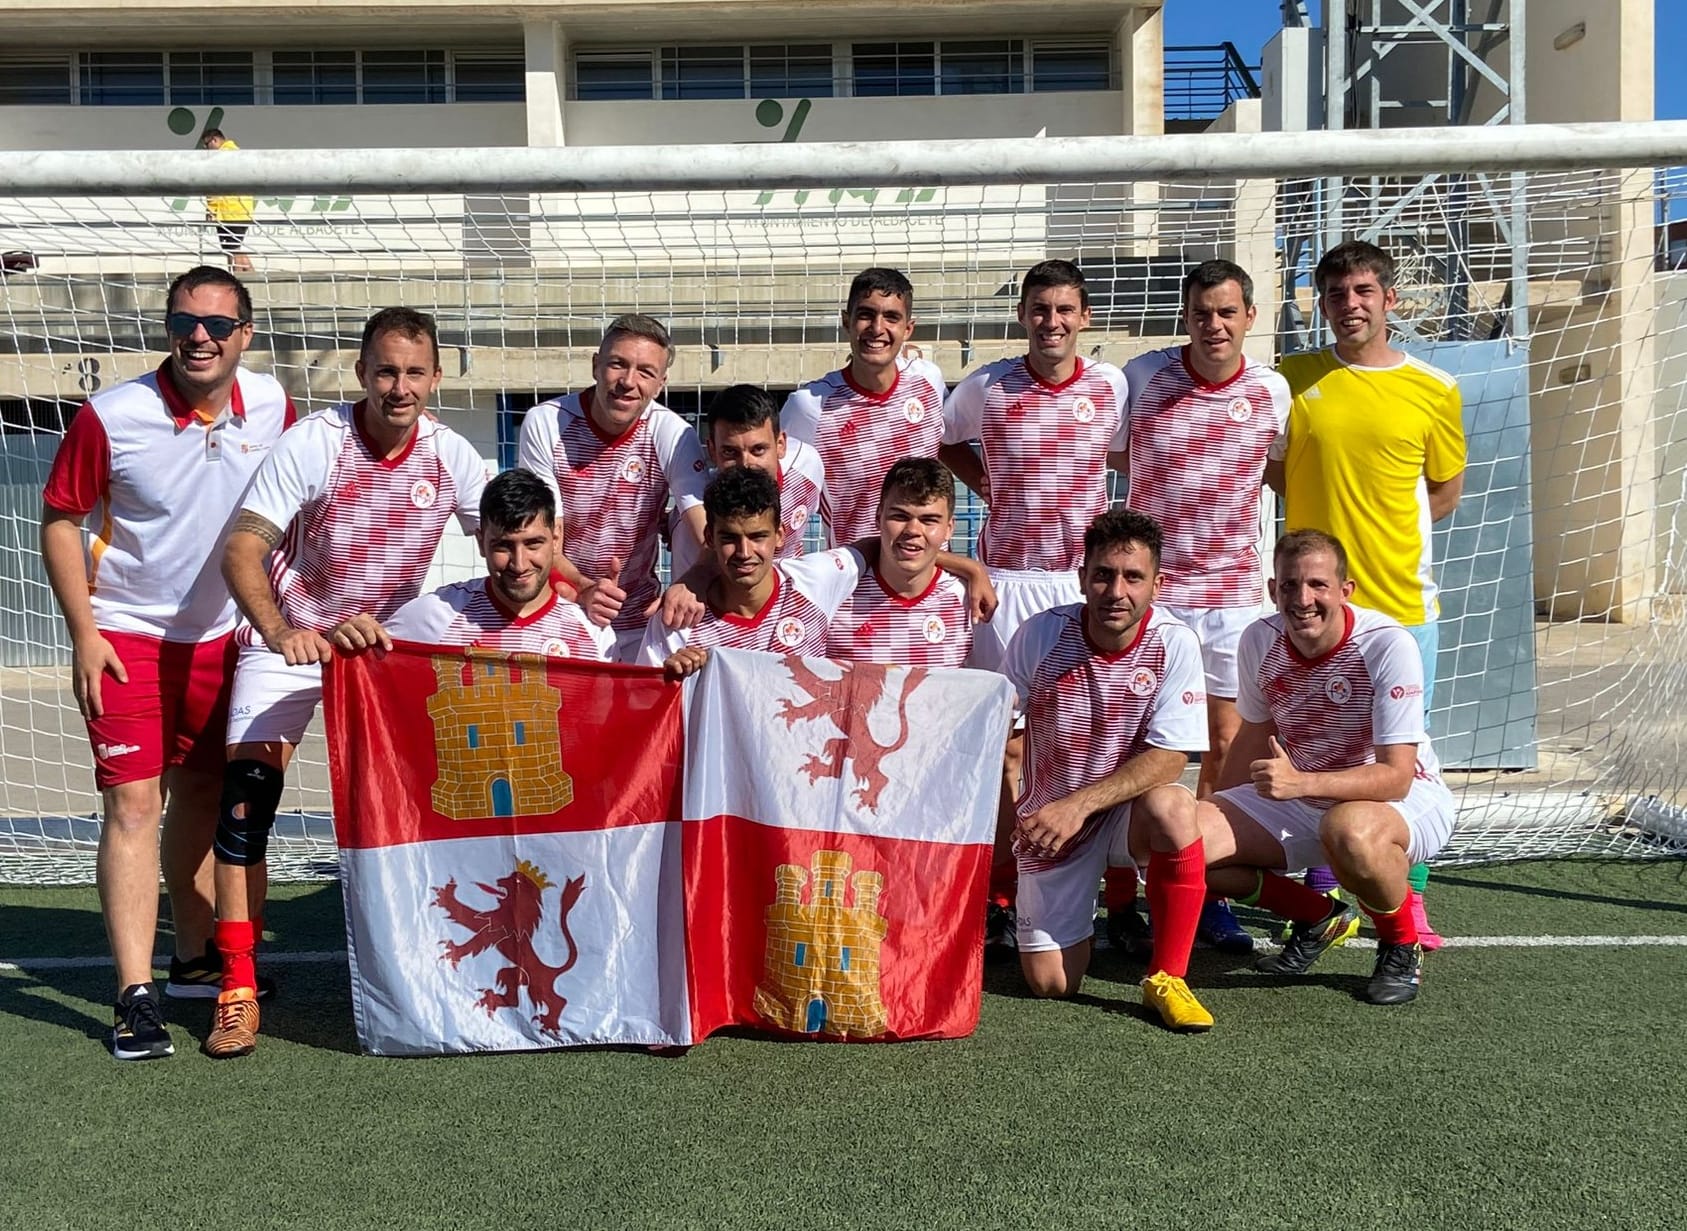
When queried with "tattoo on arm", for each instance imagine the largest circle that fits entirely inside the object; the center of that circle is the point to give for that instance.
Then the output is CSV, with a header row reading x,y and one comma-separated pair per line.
x,y
251,523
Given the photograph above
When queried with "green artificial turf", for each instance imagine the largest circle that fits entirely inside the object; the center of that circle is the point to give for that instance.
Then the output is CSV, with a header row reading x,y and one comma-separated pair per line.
x,y
1528,1087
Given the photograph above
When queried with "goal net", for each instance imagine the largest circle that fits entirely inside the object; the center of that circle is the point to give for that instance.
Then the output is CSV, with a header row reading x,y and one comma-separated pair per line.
x,y
1537,272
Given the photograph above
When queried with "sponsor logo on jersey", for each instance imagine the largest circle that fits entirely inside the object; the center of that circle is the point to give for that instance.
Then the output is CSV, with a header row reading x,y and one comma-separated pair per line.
x,y
1240,410
632,470
108,751
1191,697
913,410
1083,410
423,494
935,629
249,446
1337,690
1401,691
790,631
1144,682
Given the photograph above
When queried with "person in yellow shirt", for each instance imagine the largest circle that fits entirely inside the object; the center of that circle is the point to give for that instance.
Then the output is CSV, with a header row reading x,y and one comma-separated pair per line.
x,y
1374,454
232,215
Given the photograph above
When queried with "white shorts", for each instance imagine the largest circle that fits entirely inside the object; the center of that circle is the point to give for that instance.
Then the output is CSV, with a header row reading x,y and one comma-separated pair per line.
x,y
1021,594
1220,632
271,701
1055,905
1427,810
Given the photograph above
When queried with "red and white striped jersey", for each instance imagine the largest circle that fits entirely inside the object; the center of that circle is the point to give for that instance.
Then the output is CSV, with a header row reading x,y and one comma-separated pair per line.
x,y
1197,461
861,435
807,593
877,625
1087,713
1045,455
801,480
1333,712
612,493
157,486
468,613
361,530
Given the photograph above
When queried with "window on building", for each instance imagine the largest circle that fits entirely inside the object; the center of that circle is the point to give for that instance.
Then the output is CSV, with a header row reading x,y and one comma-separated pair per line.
x,y
201,77
989,66
1071,66
703,72
120,78
893,69
35,80
488,77
799,957
608,76
404,77
787,70
520,734
304,78
474,735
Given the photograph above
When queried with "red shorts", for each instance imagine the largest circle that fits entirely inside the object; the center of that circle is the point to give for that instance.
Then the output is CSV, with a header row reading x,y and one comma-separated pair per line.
x,y
173,711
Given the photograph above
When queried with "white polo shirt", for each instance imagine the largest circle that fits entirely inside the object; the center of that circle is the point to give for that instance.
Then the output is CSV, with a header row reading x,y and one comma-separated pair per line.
x,y
157,485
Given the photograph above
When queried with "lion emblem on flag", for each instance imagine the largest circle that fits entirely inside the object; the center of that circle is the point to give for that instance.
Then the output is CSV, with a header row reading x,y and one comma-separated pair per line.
x,y
508,926
846,703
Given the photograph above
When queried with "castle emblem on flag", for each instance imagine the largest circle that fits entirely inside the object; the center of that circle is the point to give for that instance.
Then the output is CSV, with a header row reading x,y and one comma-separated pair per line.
x,y
821,974
509,926
846,703
496,739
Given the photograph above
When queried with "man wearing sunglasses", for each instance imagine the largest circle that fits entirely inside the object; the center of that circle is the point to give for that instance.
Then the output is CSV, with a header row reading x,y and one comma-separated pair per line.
x,y
342,520
145,483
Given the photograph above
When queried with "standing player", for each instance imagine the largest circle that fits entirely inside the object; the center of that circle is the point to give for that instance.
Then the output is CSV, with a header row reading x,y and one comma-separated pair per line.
x,y
742,428
155,468
1049,424
905,609
352,504
1111,693
1374,454
1332,764
514,607
878,409
611,454
1202,419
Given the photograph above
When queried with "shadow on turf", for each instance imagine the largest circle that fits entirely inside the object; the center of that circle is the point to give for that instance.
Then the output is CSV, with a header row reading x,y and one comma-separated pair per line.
x,y
1566,895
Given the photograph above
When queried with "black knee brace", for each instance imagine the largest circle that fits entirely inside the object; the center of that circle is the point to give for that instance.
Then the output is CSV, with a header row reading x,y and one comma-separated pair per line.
x,y
251,794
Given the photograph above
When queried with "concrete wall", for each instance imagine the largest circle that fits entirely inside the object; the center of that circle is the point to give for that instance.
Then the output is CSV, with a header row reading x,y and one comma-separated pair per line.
x,y
1671,415
269,128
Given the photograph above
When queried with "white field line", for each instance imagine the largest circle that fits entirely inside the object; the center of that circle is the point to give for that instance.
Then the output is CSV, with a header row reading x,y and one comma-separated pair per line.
x,y
162,962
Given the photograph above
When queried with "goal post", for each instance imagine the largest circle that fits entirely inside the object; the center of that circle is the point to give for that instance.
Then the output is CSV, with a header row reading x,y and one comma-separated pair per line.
x,y
1530,269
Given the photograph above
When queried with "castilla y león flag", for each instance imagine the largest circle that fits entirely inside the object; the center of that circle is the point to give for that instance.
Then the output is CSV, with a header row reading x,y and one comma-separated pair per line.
x,y
542,852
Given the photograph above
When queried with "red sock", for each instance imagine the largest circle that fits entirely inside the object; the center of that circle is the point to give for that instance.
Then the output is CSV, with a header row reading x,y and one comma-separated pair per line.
x,y
236,941
1177,889
1290,899
1118,890
1394,927
1004,883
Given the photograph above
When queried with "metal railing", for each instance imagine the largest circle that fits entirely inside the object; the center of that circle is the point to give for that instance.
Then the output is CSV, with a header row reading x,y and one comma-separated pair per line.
x,y
1201,81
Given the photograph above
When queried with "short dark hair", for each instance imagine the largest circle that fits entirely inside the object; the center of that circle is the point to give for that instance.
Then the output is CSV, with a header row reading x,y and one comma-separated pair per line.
x,y
882,281
924,479
1121,528
407,323
514,498
1052,274
741,492
638,325
1298,543
1209,274
209,275
1354,257
741,406
213,133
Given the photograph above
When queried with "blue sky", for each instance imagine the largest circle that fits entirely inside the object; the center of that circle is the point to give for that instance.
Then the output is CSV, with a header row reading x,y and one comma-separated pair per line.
x,y
1249,23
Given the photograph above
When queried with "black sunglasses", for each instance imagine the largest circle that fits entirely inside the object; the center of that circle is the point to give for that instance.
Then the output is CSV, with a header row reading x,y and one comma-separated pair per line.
x,y
182,325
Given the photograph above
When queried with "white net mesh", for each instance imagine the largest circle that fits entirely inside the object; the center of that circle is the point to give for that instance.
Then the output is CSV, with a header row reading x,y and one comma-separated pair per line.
x,y
1560,698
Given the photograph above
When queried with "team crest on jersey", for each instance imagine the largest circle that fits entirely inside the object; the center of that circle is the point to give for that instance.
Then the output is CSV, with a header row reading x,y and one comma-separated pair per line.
x,y
632,470
1083,410
423,494
555,648
1144,682
1240,410
913,410
790,631
1337,690
935,629
798,516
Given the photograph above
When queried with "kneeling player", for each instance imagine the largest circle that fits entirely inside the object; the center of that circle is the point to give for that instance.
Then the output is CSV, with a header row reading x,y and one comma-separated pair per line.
x,y
1332,739
514,607
1113,703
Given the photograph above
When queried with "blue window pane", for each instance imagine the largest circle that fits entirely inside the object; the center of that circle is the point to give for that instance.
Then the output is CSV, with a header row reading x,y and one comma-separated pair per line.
x,y
198,78
843,958
894,69
305,78
607,78
1070,68
702,72
404,77
990,67
801,955
474,736
490,80
520,733
796,70
122,78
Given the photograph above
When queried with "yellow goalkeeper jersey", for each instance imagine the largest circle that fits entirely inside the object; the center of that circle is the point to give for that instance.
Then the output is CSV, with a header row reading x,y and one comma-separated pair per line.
x,y
1359,445
231,211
